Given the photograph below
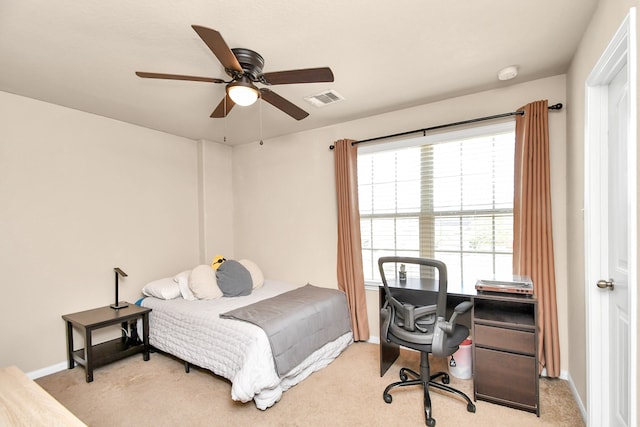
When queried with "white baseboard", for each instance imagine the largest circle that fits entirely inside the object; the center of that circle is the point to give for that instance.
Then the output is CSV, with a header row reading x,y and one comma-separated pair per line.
x,y
576,397
48,370
564,375
373,339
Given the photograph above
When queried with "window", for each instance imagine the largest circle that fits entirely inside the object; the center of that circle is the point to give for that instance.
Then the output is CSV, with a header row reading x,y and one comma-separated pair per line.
x,y
448,196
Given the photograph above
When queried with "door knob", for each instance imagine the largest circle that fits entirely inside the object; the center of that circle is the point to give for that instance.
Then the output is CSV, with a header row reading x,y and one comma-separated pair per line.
x,y
603,284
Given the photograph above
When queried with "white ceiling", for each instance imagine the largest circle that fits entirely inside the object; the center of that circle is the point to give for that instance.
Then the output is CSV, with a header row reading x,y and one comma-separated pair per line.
x,y
385,55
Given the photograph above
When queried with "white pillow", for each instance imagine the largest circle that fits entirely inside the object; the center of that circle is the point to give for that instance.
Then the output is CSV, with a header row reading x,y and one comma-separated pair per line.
x,y
162,288
256,274
203,283
182,279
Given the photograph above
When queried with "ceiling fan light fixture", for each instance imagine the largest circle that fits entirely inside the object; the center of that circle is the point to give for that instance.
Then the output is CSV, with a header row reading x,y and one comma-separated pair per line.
x,y
242,92
244,66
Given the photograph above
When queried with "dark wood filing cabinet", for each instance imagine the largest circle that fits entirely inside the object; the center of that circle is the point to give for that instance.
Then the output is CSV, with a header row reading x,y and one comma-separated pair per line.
x,y
505,351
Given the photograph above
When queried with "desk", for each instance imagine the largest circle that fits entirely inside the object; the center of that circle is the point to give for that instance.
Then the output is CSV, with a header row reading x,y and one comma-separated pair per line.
x,y
503,327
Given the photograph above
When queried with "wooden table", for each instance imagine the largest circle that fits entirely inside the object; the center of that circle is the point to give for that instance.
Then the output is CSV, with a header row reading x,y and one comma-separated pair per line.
x,y
25,403
93,356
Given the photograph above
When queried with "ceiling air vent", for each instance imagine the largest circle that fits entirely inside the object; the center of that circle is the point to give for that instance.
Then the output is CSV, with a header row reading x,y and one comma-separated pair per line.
x,y
324,98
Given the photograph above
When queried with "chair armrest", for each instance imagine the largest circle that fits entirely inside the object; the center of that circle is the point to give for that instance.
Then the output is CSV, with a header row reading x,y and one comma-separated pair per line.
x,y
385,314
439,332
410,315
449,327
425,310
463,307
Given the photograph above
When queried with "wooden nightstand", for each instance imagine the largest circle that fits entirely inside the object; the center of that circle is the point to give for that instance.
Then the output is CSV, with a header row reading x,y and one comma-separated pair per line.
x,y
94,356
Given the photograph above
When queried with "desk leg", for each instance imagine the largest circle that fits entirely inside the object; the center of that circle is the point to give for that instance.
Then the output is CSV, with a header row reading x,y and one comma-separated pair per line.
x,y
145,336
389,352
70,361
88,355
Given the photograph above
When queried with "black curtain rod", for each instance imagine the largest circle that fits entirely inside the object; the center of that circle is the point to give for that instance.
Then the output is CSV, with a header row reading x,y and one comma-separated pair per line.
x,y
557,106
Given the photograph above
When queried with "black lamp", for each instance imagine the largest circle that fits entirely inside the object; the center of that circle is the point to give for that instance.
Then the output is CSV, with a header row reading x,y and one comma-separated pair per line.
x,y
118,304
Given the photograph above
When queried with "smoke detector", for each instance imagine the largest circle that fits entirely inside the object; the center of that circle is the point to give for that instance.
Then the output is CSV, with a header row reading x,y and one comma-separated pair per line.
x,y
508,73
325,98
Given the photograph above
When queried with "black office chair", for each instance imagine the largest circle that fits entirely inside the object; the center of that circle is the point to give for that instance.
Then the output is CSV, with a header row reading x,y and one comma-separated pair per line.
x,y
423,328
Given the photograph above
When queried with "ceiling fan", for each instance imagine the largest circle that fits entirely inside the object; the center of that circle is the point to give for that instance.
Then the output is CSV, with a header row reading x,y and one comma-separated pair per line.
x,y
244,66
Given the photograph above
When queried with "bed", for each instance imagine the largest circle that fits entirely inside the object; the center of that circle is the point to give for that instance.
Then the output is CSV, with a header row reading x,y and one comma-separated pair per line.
x,y
238,350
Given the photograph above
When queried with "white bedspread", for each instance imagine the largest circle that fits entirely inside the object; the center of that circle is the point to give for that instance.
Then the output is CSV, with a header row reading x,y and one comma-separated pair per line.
x,y
236,350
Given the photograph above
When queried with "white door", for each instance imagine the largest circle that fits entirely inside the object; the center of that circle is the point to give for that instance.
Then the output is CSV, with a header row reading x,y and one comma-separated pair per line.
x,y
610,235
617,224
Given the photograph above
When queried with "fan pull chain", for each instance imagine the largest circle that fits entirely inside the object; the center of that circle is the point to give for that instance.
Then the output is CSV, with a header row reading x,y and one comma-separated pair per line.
x,y
261,142
224,137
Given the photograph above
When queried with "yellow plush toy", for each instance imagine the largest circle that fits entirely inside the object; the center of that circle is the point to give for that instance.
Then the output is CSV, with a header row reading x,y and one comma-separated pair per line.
x,y
217,261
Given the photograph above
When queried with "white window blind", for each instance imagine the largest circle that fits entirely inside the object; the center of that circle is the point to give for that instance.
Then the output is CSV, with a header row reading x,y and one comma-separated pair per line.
x,y
448,197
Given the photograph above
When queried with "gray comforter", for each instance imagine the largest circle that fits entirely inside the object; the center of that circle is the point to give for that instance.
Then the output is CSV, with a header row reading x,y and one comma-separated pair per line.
x,y
298,322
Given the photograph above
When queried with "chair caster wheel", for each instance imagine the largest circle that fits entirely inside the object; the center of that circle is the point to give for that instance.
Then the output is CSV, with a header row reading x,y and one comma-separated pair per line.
x,y
446,379
403,374
471,408
387,398
431,422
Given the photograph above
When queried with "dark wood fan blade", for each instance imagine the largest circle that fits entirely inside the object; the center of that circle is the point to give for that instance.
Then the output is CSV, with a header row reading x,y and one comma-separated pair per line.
x,y
177,77
219,47
308,75
282,104
223,108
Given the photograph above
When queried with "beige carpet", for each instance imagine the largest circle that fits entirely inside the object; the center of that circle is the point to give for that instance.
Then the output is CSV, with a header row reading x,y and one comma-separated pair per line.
x,y
348,392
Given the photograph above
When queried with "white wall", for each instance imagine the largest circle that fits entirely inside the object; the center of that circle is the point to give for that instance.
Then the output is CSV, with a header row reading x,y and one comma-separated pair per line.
x,y
81,194
215,193
284,190
285,207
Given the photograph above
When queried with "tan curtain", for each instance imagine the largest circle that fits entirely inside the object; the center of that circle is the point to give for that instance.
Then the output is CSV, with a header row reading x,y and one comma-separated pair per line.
x,y
350,273
533,236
